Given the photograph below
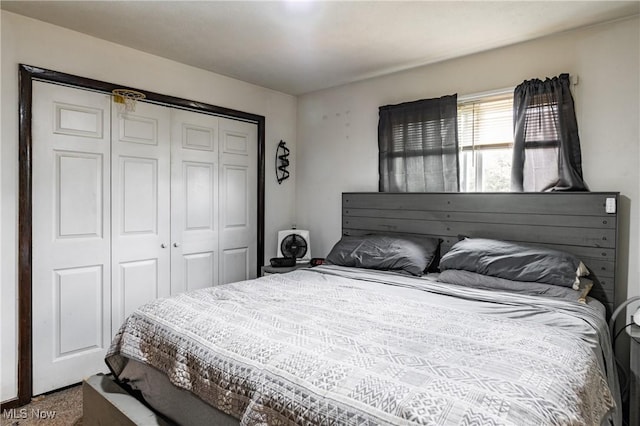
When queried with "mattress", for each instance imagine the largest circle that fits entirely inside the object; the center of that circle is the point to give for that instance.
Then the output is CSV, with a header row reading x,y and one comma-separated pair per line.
x,y
334,345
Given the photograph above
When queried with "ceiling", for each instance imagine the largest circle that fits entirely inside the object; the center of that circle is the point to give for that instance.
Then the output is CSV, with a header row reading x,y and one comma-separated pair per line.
x,y
298,47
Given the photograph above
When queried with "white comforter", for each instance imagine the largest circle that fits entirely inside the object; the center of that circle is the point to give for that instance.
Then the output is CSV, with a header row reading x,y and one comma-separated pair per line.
x,y
338,346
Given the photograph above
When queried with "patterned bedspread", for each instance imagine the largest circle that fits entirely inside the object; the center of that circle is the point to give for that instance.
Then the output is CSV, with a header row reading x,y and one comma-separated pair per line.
x,y
329,346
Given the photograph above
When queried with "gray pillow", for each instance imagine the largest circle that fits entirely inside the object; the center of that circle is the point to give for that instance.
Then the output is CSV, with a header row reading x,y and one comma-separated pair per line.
x,y
513,261
485,282
398,253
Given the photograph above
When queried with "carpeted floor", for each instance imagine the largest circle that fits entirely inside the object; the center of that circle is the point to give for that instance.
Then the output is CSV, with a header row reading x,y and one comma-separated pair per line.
x,y
62,408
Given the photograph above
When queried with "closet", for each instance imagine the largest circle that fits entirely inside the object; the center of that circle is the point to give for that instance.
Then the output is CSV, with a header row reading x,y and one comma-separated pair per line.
x,y
129,207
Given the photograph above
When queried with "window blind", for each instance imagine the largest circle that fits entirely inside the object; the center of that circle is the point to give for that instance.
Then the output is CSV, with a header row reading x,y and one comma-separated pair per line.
x,y
485,122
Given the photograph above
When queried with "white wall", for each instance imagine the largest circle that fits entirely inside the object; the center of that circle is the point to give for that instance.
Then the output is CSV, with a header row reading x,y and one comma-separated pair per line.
x,y
36,43
337,128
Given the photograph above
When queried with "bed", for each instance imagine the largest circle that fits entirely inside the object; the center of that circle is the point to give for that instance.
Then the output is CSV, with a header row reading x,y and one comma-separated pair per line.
x,y
360,344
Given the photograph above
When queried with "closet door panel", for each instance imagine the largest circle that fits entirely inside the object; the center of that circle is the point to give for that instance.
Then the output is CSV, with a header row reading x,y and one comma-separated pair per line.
x,y
139,281
141,207
71,235
78,296
194,201
199,269
78,194
236,265
199,180
139,195
238,199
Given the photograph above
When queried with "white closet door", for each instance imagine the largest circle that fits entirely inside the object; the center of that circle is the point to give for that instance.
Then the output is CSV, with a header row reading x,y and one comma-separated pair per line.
x,y
71,235
238,199
194,201
141,207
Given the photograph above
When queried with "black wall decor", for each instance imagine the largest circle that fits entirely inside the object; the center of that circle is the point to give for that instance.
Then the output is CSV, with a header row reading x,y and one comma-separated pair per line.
x,y
282,162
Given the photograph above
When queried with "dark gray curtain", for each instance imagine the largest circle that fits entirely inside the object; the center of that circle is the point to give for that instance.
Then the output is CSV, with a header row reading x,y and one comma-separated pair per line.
x,y
546,151
418,146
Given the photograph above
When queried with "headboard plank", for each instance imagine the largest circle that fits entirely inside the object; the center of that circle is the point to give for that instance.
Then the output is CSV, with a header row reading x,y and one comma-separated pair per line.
x,y
516,219
575,222
550,234
574,203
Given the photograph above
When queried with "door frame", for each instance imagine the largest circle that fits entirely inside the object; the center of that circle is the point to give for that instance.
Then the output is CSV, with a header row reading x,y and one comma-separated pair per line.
x,y
27,74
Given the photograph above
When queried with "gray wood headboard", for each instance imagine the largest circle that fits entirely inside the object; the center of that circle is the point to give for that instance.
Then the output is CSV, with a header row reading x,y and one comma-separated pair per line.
x,y
575,222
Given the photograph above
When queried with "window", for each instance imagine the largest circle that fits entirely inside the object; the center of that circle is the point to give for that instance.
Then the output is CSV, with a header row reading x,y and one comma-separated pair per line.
x,y
485,138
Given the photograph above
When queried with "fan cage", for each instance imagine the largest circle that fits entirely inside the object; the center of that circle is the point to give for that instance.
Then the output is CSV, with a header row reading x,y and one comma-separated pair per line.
x,y
293,245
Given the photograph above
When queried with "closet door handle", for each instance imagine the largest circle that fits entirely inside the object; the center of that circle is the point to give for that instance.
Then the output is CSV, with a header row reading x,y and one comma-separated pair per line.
x,y
176,245
163,245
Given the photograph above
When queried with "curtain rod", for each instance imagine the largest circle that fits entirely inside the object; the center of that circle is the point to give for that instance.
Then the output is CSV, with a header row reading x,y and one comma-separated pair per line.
x,y
504,91
479,95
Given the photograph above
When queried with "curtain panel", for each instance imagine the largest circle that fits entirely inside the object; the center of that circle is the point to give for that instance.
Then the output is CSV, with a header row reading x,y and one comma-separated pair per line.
x,y
546,152
418,146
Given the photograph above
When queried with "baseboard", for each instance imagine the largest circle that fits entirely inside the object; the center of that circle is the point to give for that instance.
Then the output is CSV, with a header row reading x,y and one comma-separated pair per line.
x,y
10,403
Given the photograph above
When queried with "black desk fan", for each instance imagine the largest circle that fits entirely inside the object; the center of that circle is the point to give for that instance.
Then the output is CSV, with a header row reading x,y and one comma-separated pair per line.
x,y
293,247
